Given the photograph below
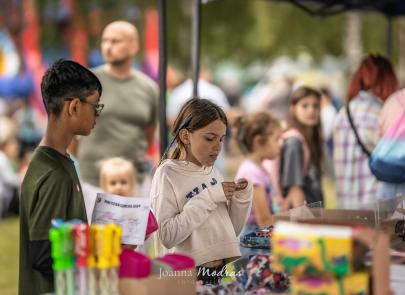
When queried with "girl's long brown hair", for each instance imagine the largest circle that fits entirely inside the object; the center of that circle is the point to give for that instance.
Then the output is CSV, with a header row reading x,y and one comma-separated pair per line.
x,y
314,141
195,114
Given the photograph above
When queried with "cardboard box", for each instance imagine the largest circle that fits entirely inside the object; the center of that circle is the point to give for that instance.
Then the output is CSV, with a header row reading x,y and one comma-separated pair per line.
x,y
379,244
357,283
182,282
330,216
305,249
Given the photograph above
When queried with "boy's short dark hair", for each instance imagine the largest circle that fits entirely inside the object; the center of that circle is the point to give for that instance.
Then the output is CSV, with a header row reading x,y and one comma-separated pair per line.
x,y
66,79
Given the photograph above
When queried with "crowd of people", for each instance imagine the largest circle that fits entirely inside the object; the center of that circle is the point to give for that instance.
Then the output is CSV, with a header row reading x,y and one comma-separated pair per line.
x,y
101,123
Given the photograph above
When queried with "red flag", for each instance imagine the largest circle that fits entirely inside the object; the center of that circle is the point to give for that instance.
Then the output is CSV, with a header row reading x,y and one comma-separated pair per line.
x,y
31,52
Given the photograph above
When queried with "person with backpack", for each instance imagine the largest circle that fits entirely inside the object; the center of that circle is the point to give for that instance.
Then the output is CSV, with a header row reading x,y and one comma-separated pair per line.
x,y
296,175
356,132
387,160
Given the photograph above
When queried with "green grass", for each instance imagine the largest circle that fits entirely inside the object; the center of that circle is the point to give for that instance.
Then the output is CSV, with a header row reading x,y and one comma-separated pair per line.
x,y
9,253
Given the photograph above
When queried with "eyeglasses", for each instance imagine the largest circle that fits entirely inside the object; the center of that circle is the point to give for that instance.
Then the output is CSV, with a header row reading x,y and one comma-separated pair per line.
x,y
98,107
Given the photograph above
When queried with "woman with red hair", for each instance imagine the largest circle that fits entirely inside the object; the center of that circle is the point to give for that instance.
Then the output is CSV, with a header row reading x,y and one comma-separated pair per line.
x,y
357,131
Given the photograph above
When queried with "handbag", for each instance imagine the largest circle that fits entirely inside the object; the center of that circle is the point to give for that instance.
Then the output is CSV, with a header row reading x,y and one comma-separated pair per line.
x,y
387,161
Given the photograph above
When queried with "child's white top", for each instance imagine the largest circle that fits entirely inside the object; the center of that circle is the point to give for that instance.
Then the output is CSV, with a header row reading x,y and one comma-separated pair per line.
x,y
193,214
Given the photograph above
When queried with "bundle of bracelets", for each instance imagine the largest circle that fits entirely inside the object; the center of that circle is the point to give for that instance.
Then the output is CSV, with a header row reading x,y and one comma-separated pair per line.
x,y
260,239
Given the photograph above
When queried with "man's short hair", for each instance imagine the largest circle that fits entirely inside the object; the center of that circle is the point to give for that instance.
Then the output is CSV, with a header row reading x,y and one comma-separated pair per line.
x,y
66,79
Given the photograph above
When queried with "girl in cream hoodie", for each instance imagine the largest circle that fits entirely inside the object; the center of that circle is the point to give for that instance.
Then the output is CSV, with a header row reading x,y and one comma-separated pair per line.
x,y
198,213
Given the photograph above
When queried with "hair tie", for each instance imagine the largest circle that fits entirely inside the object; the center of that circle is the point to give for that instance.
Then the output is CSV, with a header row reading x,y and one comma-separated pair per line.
x,y
183,125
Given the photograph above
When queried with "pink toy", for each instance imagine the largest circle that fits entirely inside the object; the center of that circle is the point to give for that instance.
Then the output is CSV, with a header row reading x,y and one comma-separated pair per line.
x,y
134,264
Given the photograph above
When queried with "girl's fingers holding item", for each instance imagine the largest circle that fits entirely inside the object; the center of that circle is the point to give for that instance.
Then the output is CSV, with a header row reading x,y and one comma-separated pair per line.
x,y
229,189
228,184
241,184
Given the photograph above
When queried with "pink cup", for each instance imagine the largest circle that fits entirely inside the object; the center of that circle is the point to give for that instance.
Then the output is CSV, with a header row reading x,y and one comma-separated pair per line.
x,y
177,261
134,264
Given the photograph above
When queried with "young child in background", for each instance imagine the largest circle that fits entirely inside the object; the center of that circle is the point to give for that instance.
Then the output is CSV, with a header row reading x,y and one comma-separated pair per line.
x,y
301,155
259,137
198,213
118,177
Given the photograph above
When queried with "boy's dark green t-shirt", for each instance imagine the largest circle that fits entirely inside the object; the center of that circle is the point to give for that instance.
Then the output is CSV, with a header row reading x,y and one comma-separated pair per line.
x,y
51,189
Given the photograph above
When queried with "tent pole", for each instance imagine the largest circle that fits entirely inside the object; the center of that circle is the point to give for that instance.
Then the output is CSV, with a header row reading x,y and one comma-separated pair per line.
x,y
389,37
195,44
162,76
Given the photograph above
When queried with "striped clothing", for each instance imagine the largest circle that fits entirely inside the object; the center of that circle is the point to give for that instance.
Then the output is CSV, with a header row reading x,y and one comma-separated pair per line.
x,y
355,184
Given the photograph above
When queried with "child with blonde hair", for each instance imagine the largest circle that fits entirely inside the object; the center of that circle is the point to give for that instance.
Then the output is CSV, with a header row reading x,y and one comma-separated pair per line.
x,y
118,177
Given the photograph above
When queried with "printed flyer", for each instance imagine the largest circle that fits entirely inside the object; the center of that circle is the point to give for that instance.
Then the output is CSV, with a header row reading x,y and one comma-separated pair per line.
x,y
131,213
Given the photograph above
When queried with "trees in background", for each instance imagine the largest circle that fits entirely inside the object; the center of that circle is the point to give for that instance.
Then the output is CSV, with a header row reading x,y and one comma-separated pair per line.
x,y
240,30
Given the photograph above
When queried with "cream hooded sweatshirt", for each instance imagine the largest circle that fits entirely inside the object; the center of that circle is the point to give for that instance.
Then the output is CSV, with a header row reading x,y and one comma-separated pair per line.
x,y
193,214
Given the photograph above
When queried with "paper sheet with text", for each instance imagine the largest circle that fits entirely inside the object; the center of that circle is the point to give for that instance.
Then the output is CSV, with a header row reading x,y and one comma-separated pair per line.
x,y
131,213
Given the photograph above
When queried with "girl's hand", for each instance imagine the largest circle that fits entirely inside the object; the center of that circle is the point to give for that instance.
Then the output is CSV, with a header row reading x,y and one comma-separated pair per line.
x,y
229,188
281,203
241,184
279,200
285,205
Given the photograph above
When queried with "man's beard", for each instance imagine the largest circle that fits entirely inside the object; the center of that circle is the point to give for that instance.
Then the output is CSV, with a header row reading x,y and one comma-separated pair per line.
x,y
119,62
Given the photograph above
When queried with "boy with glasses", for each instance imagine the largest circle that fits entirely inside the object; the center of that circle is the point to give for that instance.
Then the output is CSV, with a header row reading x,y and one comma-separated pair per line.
x,y
98,107
51,188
